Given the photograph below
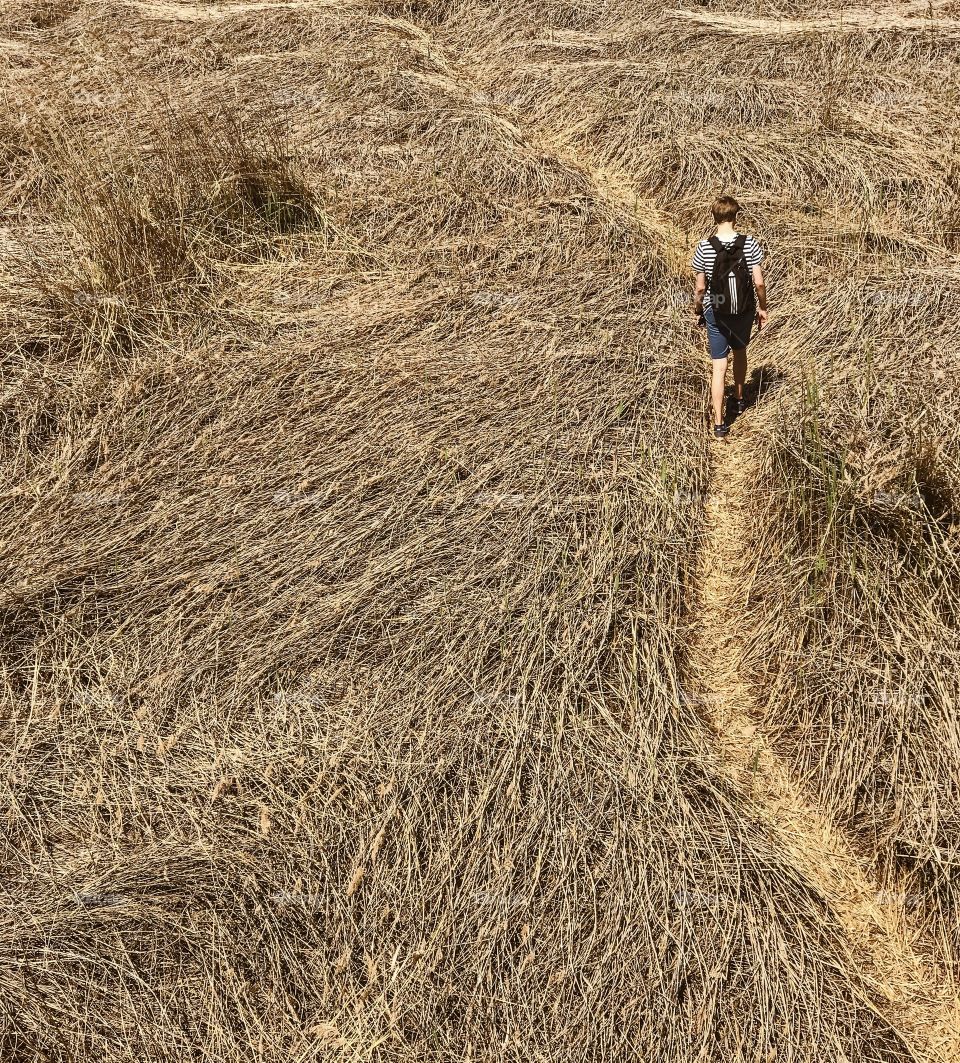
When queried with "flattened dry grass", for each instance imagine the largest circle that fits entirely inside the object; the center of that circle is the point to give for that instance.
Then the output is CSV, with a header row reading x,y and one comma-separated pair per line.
x,y
857,616
344,600
850,179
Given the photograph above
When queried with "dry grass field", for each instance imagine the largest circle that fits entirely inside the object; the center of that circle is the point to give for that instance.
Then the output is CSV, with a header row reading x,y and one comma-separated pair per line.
x,y
392,667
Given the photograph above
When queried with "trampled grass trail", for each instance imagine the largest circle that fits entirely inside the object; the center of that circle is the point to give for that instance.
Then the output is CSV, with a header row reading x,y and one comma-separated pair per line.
x,y
885,948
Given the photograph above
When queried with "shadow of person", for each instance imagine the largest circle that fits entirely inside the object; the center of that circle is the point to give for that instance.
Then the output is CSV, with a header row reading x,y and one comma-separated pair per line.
x,y
763,379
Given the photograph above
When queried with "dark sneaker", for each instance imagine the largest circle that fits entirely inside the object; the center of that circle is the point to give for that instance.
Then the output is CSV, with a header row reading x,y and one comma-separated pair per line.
x,y
737,406
721,430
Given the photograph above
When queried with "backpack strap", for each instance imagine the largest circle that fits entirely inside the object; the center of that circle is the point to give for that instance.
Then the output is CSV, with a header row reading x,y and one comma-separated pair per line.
x,y
715,243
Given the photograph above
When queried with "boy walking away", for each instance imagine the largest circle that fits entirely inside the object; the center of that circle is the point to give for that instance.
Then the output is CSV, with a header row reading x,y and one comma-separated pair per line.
x,y
729,275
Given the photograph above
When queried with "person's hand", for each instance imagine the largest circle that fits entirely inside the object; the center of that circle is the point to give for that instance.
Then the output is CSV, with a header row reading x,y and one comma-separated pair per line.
x,y
762,316
697,314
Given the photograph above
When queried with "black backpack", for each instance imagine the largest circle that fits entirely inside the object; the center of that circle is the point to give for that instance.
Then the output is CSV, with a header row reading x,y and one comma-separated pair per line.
x,y
731,282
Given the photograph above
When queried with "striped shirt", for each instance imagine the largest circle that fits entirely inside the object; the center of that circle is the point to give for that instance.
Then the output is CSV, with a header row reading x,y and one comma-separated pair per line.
x,y
704,256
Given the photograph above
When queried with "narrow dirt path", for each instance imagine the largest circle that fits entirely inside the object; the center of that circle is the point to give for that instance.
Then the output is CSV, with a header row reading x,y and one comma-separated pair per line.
x,y
920,17
921,1002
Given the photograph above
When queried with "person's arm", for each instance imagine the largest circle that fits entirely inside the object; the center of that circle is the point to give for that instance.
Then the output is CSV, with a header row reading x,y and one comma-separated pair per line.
x,y
761,288
700,287
698,293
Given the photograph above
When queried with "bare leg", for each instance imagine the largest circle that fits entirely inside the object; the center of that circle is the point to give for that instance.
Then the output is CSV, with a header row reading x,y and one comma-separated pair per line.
x,y
740,369
716,390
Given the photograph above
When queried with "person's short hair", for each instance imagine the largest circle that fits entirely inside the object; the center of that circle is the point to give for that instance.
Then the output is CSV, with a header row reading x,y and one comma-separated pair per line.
x,y
725,208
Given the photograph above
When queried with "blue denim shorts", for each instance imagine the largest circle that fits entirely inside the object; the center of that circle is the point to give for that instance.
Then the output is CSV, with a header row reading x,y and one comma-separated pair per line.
x,y
729,333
